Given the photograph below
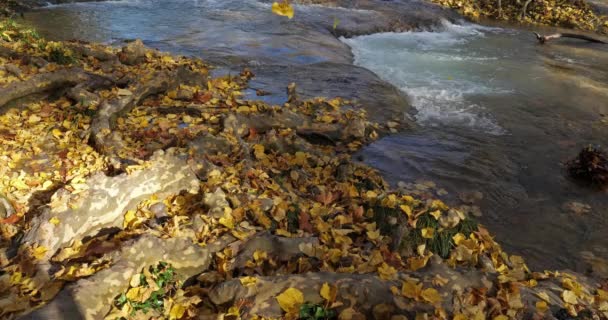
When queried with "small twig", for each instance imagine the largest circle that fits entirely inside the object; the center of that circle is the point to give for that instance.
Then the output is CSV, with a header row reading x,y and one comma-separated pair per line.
x,y
542,39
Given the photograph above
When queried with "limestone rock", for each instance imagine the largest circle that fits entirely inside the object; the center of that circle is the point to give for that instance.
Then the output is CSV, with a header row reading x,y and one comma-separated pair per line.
x,y
90,298
105,200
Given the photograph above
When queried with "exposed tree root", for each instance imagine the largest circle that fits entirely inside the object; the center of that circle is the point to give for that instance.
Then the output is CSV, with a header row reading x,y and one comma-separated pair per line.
x,y
104,138
41,83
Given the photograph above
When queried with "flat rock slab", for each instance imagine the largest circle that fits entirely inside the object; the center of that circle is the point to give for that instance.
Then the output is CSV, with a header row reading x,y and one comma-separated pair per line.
x,y
104,201
91,298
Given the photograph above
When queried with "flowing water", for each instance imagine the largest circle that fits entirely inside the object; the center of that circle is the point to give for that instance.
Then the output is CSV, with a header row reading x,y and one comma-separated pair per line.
x,y
497,113
500,114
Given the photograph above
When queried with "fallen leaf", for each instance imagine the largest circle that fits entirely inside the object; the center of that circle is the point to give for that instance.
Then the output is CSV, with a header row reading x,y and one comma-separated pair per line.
x,y
284,8
431,295
569,297
290,300
329,292
248,281
54,220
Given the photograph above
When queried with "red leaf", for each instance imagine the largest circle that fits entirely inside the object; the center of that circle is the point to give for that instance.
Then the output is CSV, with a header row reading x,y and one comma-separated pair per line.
x,y
304,222
202,98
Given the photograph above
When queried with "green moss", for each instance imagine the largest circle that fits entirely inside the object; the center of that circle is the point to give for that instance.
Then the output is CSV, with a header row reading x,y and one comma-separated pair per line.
x,y
442,242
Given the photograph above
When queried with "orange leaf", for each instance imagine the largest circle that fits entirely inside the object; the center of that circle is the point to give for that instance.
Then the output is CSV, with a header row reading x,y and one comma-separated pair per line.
x,y
11,220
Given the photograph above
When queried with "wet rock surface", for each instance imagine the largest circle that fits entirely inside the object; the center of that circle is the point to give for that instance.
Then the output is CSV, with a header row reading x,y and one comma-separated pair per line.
x,y
306,49
380,99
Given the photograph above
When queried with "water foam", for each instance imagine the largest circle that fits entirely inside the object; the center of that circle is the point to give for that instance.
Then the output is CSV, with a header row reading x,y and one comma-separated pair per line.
x,y
436,69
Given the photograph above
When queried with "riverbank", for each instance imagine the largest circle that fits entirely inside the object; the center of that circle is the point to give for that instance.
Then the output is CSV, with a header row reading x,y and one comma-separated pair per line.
x,y
138,157
581,15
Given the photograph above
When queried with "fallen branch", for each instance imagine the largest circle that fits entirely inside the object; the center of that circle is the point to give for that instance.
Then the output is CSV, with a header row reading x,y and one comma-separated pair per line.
x,y
542,39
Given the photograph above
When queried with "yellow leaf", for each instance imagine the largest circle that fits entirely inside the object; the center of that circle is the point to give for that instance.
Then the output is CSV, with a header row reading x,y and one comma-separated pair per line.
x,y
248,281
431,295
233,311
130,218
438,204
54,220
569,297
572,285
420,249
428,233
436,214
387,272
543,295
541,306
39,252
134,294
19,184
34,119
411,289
177,311
258,151
290,300
329,292
407,209
458,238
259,255
371,194
283,8
373,235
602,294
418,262
167,59
501,317
227,221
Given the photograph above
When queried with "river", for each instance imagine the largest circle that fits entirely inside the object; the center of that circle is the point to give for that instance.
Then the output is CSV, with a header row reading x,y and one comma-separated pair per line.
x,y
495,111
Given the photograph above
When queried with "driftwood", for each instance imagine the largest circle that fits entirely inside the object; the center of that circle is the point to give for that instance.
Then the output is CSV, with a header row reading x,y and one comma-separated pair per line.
x,y
542,39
